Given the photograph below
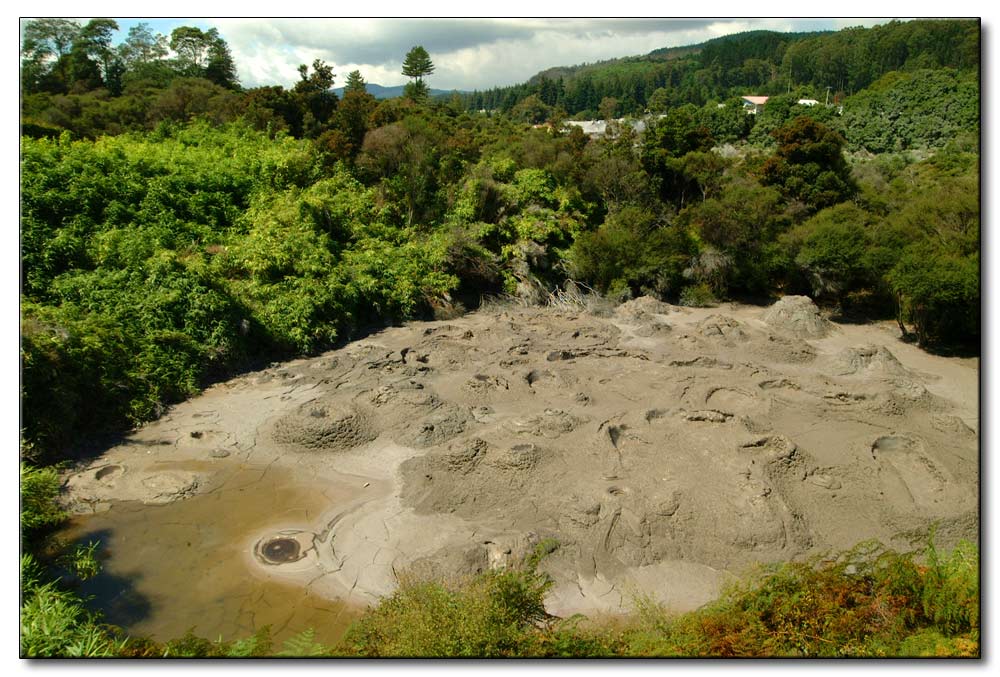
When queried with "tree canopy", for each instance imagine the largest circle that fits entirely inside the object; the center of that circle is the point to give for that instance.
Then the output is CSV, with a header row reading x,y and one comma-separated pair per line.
x,y
417,63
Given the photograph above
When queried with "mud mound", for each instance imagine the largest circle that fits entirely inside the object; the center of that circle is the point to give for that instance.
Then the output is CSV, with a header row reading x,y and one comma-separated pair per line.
x,y
92,490
653,328
551,424
797,315
319,427
518,457
783,349
641,308
722,327
867,361
442,425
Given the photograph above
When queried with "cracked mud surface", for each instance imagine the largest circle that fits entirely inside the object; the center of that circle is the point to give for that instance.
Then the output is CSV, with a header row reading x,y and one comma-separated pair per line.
x,y
665,449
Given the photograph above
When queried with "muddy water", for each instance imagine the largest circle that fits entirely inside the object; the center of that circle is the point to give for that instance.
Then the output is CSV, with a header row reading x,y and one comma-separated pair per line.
x,y
189,565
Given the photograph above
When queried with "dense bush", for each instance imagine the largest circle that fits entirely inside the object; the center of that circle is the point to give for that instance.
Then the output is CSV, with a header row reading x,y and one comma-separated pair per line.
x,y
919,109
869,602
632,253
153,262
493,615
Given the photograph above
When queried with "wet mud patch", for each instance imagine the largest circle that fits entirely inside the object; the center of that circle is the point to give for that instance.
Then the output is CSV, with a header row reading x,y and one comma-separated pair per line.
x,y
192,564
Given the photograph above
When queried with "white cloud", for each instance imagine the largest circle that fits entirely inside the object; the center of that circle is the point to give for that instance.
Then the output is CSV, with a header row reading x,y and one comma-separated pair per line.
x,y
467,53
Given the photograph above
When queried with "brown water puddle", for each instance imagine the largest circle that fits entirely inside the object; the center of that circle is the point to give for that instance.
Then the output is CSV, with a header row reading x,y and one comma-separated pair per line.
x,y
189,565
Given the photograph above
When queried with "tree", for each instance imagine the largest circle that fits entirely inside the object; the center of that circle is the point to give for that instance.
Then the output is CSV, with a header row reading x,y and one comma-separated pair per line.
x,y
658,101
198,51
354,111
531,109
417,63
142,46
355,83
316,98
633,252
92,56
608,108
221,69
45,53
665,143
809,164
741,223
416,90
142,56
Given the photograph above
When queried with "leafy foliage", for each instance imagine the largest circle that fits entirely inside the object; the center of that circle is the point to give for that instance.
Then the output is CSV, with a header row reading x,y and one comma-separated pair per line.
x,y
493,615
39,488
866,602
632,253
809,164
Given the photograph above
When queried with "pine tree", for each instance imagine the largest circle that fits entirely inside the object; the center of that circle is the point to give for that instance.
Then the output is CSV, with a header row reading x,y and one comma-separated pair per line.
x,y
355,83
417,64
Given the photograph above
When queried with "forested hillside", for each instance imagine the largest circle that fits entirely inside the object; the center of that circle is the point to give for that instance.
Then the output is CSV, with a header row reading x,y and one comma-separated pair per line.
x,y
756,62
177,227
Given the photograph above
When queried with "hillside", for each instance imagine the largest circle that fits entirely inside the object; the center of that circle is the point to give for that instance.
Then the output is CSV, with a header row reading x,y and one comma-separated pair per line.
x,y
759,62
381,93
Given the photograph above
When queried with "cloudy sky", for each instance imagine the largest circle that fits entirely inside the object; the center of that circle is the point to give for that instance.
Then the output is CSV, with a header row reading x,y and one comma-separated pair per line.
x,y
473,53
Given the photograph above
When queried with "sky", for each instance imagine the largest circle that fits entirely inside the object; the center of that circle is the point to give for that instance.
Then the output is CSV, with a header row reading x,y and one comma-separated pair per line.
x,y
472,53
467,53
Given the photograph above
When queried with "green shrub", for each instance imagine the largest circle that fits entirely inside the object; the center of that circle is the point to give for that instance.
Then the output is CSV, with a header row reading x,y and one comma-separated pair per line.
x,y
54,621
698,296
493,615
633,250
39,489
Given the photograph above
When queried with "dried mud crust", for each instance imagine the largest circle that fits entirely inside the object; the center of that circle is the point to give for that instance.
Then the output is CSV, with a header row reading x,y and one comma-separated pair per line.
x,y
729,443
699,440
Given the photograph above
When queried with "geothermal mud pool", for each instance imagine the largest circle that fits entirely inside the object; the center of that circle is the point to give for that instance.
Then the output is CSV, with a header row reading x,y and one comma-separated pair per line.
x,y
664,449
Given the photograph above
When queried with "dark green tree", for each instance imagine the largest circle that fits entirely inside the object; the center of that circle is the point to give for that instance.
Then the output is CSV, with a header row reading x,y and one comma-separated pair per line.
x,y
809,164
142,46
665,143
742,223
354,111
143,56
316,98
92,57
45,51
416,90
220,68
194,48
355,83
417,63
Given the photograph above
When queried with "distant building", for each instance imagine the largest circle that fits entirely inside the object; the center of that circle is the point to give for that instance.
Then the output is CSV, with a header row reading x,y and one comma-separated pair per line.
x,y
754,104
807,102
593,128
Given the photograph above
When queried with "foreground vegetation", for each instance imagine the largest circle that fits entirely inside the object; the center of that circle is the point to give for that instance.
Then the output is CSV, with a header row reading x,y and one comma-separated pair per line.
x,y
176,228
